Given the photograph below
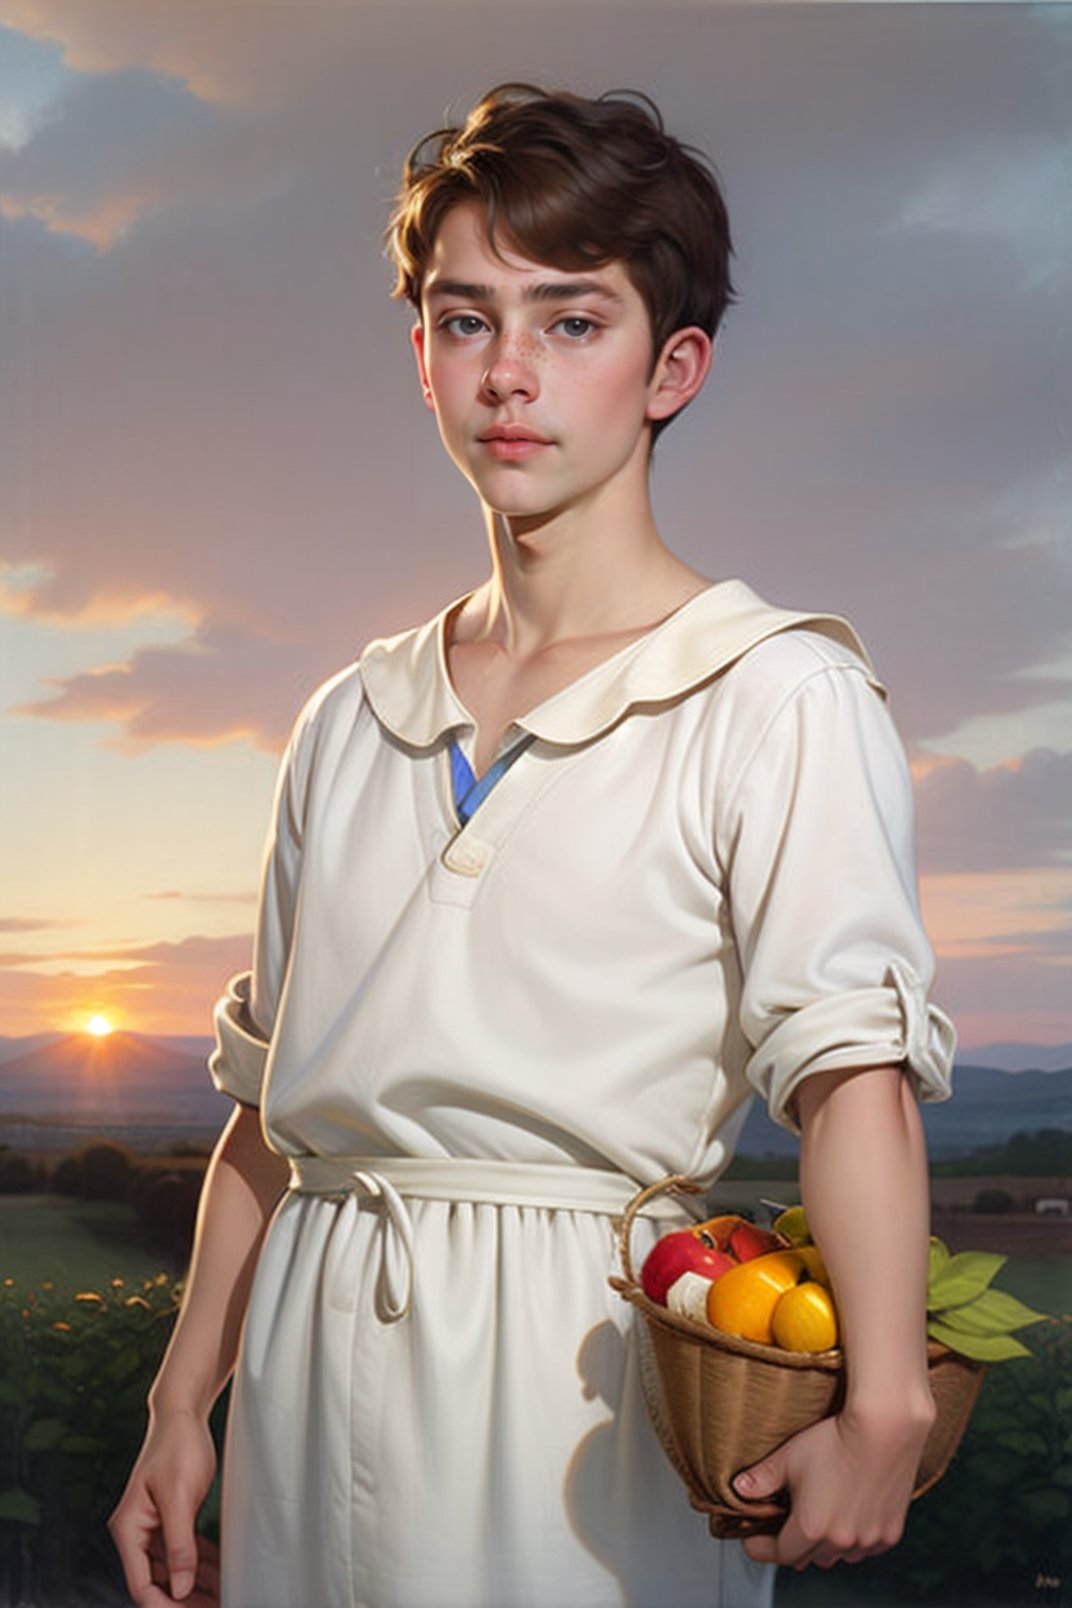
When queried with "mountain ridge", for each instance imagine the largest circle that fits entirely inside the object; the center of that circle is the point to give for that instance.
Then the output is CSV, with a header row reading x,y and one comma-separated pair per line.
x,y
127,1080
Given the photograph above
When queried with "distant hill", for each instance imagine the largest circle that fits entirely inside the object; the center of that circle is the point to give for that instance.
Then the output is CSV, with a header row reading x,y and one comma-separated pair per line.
x,y
1008,1057
987,1108
133,1081
118,1080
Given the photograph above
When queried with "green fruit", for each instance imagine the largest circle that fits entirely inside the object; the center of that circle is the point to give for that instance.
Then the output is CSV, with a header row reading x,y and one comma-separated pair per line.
x,y
792,1225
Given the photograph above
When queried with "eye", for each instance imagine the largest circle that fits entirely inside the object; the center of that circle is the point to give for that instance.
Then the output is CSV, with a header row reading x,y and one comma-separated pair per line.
x,y
463,324
575,326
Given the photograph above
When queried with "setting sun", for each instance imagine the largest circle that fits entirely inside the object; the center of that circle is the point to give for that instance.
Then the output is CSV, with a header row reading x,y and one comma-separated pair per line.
x,y
99,1026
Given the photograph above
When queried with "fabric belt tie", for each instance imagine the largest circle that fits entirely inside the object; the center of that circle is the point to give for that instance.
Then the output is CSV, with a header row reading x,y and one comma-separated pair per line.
x,y
392,1180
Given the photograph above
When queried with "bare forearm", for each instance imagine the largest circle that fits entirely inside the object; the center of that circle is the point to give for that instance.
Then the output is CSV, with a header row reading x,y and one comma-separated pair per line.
x,y
242,1185
865,1191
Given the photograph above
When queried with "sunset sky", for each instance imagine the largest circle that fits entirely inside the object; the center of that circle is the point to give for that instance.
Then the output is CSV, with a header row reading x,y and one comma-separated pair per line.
x,y
217,478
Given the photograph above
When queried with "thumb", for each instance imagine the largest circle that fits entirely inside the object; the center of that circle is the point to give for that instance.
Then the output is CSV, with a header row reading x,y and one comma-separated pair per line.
x,y
180,1545
762,1479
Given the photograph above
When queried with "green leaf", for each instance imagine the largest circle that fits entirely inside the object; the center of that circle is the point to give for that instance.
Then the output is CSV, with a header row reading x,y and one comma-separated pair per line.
x,y
1045,1506
19,1507
938,1257
1019,1440
83,1443
962,1278
981,1347
993,1312
44,1434
10,1395
123,1363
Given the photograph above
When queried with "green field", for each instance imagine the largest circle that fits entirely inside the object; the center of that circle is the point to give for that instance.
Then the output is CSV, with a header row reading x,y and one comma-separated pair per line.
x,y
74,1245
1005,1487
1044,1282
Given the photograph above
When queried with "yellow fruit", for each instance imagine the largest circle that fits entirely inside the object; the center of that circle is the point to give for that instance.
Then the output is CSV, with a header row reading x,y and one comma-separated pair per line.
x,y
742,1301
813,1261
805,1318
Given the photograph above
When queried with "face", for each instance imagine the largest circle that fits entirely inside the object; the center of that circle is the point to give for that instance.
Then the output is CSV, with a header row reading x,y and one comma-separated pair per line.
x,y
543,381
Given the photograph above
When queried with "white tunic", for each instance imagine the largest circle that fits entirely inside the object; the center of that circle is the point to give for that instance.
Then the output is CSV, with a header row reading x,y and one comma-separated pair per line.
x,y
696,882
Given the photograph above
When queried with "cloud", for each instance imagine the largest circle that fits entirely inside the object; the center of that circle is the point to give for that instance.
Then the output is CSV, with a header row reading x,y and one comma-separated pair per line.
x,y
1050,944
1010,817
169,988
172,694
167,895
1006,191
102,154
217,52
18,924
219,413
1005,997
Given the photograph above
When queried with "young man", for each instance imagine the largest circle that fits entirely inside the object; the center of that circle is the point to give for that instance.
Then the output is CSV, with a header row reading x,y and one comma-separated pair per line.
x,y
554,882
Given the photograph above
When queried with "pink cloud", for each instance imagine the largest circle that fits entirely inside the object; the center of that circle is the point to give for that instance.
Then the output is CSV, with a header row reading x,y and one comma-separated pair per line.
x,y
171,990
219,686
1010,817
218,52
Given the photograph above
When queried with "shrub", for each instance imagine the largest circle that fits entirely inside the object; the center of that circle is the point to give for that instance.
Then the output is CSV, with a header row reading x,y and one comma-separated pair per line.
x,y
74,1373
106,1171
18,1174
993,1202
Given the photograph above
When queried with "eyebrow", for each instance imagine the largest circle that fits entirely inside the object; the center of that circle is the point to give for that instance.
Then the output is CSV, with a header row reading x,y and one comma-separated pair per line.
x,y
552,291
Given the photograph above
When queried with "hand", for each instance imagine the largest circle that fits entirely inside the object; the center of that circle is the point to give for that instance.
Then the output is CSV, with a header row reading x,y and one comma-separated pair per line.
x,y
849,1482
206,1588
153,1525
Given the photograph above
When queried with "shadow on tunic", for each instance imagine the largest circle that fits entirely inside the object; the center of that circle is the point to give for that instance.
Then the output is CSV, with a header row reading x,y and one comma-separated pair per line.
x,y
629,1508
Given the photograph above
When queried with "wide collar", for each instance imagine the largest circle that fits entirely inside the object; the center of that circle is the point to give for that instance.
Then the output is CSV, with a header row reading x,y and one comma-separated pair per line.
x,y
408,685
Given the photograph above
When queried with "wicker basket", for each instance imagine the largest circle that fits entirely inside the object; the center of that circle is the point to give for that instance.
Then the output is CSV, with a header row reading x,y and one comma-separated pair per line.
x,y
719,1404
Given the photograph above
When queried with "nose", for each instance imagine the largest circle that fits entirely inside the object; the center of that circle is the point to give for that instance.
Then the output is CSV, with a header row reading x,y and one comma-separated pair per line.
x,y
511,370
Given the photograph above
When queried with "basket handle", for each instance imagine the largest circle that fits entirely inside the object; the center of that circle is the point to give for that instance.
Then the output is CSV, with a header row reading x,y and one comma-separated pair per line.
x,y
678,1184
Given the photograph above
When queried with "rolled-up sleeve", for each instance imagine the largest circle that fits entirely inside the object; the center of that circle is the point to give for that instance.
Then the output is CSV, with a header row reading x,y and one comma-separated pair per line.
x,y
238,1061
836,967
245,1016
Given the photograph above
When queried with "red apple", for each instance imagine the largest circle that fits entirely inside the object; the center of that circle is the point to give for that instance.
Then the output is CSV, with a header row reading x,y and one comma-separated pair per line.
x,y
687,1250
748,1241
742,1239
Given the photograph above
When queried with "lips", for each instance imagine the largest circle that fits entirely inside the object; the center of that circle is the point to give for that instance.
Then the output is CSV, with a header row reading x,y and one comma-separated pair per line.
x,y
513,443
514,432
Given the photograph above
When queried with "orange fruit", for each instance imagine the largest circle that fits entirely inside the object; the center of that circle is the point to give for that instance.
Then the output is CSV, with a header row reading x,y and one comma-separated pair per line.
x,y
805,1318
742,1301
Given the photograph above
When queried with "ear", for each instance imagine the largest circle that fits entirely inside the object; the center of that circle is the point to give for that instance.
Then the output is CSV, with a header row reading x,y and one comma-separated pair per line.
x,y
416,335
679,373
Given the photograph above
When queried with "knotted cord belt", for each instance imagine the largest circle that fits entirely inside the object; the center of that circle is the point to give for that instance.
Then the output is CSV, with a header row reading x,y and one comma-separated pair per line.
x,y
390,1181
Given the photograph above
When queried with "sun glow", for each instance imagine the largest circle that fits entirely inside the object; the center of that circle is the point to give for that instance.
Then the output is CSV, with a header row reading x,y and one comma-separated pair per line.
x,y
99,1026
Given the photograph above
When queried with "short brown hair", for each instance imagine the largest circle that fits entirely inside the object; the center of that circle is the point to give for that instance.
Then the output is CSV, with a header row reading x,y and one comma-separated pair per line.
x,y
576,183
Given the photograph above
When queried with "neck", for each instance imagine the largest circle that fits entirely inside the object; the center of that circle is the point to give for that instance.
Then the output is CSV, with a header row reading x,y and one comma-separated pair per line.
x,y
572,576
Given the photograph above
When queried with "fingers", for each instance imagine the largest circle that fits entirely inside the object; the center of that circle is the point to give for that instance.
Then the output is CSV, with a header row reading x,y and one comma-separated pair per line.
x,y
206,1588
762,1480
162,1558
802,1543
132,1526
179,1544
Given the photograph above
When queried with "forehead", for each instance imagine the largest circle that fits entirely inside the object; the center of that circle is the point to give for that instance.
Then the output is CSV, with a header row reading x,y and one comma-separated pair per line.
x,y
462,255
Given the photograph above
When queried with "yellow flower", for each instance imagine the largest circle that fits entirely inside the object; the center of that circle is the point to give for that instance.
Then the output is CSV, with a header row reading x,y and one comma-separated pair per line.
x,y
118,1284
9,1284
137,1300
47,1284
90,1296
64,1328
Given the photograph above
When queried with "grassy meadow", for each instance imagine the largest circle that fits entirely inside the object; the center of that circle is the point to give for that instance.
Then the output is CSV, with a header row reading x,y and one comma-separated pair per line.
x,y
87,1299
